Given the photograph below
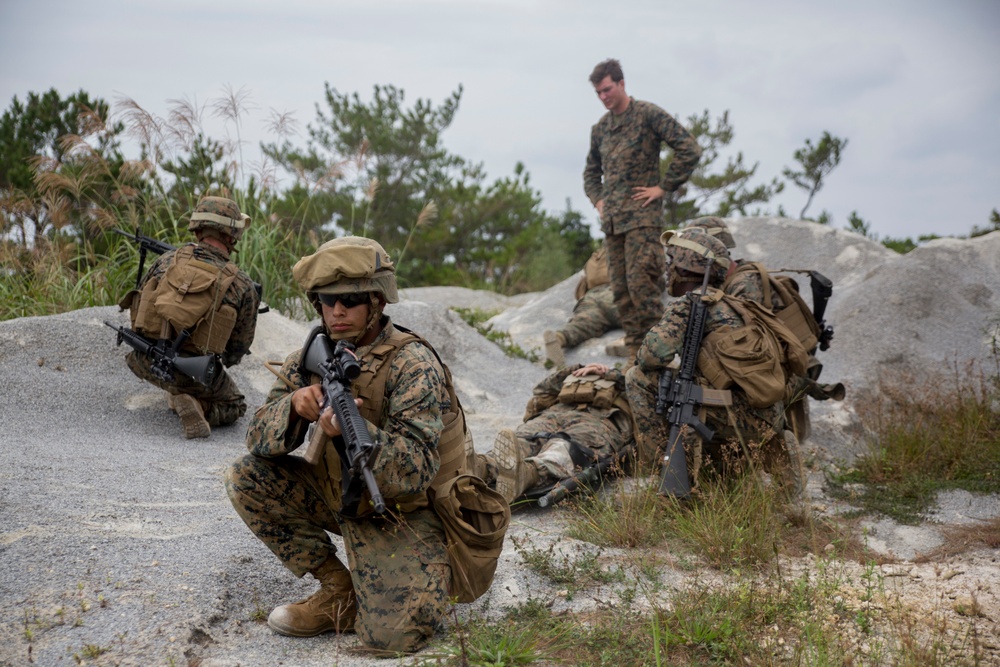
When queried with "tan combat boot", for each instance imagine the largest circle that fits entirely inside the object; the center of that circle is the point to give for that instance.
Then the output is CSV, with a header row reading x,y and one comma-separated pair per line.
x,y
514,476
617,348
192,415
330,609
554,344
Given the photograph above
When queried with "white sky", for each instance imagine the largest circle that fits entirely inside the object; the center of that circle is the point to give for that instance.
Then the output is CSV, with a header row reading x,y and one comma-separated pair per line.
x,y
914,85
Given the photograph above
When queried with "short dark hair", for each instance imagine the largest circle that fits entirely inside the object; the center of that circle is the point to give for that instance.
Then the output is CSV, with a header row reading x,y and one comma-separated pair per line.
x,y
609,67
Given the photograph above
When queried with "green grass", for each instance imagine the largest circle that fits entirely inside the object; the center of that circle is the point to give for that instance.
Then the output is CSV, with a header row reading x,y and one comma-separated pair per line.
x,y
477,317
925,435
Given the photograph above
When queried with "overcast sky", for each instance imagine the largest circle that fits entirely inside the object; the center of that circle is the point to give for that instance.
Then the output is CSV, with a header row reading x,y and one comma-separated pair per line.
x,y
914,85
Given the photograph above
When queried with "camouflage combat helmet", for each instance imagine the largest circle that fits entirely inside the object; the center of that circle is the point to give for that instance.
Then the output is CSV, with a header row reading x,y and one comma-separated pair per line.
x,y
219,214
348,265
714,226
689,249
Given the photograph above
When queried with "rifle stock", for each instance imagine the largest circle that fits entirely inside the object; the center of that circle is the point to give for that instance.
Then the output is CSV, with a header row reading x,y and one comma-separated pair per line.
x,y
822,290
337,366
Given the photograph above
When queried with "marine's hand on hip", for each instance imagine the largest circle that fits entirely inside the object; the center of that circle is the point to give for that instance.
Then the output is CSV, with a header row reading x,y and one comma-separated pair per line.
x,y
650,194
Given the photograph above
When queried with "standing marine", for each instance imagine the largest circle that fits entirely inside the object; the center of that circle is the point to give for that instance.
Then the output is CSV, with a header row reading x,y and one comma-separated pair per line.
x,y
622,179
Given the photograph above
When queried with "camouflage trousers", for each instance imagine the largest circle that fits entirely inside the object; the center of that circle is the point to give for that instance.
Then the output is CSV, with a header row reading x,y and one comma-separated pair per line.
x,y
399,567
222,402
594,315
602,435
740,430
636,266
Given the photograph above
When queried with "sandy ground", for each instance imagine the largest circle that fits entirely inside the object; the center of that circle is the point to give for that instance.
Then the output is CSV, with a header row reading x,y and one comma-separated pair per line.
x,y
115,532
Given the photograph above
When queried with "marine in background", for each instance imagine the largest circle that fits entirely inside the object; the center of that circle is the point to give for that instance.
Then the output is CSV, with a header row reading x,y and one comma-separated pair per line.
x,y
199,289
780,293
576,419
739,428
593,315
622,179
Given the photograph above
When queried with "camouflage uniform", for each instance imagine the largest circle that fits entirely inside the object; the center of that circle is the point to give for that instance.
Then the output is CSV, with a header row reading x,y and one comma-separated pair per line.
x,y
398,564
733,425
624,154
603,431
222,402
593,316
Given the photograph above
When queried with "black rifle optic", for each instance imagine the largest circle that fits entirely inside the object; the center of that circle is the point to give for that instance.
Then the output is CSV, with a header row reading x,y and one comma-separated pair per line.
x,y
679,396
165,358
822,289
338,366
147,244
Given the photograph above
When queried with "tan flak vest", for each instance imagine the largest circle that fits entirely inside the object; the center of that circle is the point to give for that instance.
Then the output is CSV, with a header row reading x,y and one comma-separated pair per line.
x,y
188,296
592,391
455,448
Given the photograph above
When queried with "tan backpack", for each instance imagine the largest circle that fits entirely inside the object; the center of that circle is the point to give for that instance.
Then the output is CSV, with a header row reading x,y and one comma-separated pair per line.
x,y
595,273
188,296
794,312
758,356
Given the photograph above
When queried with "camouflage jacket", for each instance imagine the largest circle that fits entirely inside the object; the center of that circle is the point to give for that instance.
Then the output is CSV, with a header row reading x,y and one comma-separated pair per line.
x,y
749,285
416,398
625,153
666,339
241,295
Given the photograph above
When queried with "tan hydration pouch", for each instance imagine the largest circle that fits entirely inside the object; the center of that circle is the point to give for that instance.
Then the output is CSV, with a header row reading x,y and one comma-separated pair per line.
x,y
588,390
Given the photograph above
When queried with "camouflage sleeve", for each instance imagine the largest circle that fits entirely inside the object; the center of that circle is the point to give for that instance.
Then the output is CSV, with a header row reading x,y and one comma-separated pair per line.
x,y
158,268
269,434
666,338
747,285
686,151
593,173
416,398
246,303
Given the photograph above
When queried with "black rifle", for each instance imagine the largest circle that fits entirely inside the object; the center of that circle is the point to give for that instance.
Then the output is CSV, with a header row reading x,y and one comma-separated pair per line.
x,y
147,244
338,367
588,476
679,396
165,358
822,289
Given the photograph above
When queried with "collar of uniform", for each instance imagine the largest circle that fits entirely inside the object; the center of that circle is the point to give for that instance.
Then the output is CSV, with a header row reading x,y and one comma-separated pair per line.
x,y
617,120
387,330
212,250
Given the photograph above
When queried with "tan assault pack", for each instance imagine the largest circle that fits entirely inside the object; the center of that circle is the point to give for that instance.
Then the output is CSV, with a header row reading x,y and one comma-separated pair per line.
x,y
758,356
187,296
475,517
595,273
794,312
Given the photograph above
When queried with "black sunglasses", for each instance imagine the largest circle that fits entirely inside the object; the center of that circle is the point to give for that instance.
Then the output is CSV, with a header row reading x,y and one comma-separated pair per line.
x,y
349,300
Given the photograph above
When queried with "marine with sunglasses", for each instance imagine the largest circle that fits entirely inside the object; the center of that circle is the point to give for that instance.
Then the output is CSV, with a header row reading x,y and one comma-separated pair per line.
x,y
396,591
